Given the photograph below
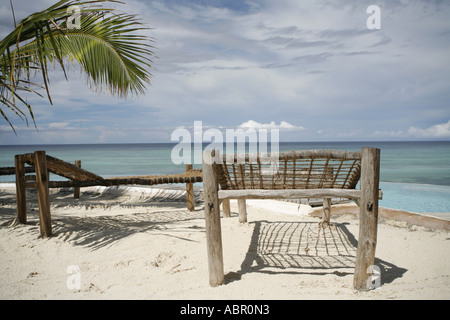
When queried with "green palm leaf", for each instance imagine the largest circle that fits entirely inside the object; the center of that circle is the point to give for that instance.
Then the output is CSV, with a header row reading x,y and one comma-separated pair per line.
x,y
108,47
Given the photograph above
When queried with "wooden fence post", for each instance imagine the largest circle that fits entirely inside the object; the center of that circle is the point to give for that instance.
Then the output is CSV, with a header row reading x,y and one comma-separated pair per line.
x,y
76,190
242,210
190,192
40,164
212,219
21,196
368,218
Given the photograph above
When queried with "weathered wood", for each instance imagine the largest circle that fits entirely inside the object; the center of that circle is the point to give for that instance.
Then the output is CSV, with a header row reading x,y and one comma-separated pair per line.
x,y
83,178
6,171
192,176
226,208
212,220
298,154
326,214
69,171
242,210
31,185
368,217
21,197
76,190
190,191
190,196
333,175
151,180
64,169
40,163
289,193
79,178
69,184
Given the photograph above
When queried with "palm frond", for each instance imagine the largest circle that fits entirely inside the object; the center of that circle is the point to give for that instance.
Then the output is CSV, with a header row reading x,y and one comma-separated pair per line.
x,y
108,47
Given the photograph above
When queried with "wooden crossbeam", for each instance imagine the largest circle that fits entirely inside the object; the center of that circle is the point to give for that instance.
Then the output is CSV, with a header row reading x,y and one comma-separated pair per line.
x,y
289,193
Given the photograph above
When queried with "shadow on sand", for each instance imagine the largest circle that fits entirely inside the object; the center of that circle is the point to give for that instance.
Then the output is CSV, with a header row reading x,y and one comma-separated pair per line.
x,y
305,248
162,212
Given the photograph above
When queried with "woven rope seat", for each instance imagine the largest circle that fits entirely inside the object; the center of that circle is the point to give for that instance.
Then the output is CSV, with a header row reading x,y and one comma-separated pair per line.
x,y
312,169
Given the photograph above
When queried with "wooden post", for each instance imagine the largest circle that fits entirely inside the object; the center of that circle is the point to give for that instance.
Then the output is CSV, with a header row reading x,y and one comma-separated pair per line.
x,y
21,196
190,192
242,210
40,163
76,190
226,208
326,211
368,218
212,219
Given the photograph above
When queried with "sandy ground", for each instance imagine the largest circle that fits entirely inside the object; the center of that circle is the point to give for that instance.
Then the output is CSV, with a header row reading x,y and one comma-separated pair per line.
x,y
134,243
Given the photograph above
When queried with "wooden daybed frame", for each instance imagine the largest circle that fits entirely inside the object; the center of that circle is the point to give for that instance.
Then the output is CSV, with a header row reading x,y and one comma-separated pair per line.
x,y
297,174
42,164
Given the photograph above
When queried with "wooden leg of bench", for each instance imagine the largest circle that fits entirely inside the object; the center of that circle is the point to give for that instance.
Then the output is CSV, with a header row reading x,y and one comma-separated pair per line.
x,y
76,190
242,210
43,194
326,214
368,218
190,192
21,196
226,208
212,220
190,196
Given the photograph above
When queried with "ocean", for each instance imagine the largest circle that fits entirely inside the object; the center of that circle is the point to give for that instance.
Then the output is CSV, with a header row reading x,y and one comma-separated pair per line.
x,y
415,176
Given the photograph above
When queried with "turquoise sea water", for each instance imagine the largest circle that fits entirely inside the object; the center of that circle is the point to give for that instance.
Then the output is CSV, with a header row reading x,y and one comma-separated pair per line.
x,y
415,176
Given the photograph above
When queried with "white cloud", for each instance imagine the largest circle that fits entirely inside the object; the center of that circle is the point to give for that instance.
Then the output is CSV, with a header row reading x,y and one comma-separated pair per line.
x,y
58,125
283,126
441,130
391,134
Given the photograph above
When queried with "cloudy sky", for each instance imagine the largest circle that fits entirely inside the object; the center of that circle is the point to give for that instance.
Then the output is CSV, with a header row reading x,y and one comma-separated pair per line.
x,y
312,69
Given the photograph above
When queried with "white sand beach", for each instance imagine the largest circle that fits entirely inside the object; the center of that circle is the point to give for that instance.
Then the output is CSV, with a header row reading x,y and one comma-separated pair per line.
x,y
142,243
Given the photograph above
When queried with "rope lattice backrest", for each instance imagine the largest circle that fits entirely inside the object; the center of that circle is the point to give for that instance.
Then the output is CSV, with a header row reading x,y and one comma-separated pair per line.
x,y
315,169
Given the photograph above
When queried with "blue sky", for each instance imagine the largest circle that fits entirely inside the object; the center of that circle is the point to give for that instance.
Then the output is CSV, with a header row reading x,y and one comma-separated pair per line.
x,y
309,68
